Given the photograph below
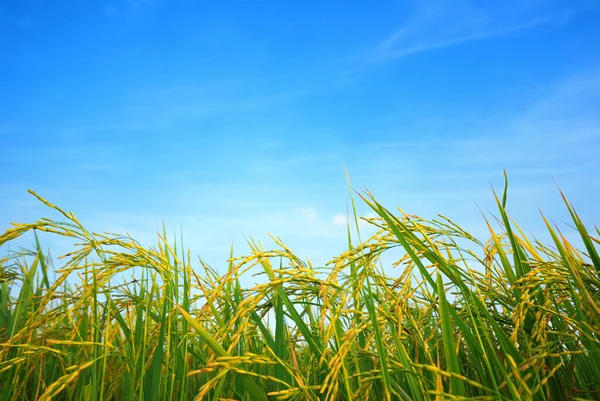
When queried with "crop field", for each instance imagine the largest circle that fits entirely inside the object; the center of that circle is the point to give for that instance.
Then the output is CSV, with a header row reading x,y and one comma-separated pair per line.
x,y
504,317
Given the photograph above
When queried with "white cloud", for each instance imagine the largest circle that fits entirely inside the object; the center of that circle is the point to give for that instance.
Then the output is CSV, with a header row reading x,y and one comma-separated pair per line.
x,y
438,24
339,219
308,213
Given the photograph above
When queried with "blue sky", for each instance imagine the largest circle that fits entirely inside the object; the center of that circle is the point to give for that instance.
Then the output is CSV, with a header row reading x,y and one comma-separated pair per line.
x,y
229,118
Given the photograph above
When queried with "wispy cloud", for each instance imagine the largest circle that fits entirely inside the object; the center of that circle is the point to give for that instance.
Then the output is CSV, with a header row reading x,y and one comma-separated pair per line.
x,y
556,136
437,24
166,104
63,152
397,47
129,7
424,175
555,131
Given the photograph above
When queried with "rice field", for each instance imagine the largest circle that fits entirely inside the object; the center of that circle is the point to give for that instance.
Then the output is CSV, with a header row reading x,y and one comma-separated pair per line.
x,y
456,318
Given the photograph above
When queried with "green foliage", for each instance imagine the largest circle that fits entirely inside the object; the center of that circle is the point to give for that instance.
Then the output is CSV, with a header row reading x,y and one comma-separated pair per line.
x,y
456,318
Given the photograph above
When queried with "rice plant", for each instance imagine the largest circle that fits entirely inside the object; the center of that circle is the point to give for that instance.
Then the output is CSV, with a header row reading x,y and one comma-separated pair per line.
x,y
455,317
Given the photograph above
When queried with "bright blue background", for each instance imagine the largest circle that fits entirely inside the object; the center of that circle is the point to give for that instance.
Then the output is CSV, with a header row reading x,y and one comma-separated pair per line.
x,y
230,118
